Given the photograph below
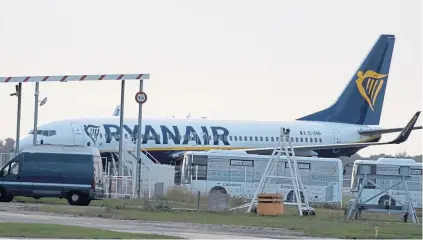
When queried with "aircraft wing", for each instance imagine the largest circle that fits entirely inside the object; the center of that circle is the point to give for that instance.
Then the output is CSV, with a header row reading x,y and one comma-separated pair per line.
x,y
383,131
402,137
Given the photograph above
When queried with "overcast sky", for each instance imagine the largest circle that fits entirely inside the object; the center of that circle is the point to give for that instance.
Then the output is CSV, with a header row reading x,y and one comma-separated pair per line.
x,y
252,60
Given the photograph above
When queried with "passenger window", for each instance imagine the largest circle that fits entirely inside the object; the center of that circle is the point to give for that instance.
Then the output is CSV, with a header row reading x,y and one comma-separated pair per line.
x,y
230,138
292,139
315,139
261,139
296,139
251,138
277,139
272,139
305,139
267,139
320,140
301,139
245,139
256,138
236,138
240,138
311,139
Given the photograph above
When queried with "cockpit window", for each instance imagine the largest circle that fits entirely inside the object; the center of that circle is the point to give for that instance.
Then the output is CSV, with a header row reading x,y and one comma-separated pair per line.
x,y
46,133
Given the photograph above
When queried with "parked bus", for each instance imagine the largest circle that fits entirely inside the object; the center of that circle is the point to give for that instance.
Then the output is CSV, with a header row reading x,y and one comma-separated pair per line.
x,y
238,174
395,197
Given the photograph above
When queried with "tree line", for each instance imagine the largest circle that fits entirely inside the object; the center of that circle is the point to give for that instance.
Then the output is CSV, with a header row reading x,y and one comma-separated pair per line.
x,y
6,146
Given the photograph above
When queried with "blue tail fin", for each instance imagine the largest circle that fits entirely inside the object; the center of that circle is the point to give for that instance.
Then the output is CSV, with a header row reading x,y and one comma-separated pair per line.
x,y
362,100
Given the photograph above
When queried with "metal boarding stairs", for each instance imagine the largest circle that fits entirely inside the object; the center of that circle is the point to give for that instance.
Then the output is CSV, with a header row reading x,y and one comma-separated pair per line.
x,y
270,170
130,161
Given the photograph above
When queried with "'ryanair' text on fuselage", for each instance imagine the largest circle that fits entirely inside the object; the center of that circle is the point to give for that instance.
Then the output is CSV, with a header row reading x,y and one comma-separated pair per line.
x,y
212,135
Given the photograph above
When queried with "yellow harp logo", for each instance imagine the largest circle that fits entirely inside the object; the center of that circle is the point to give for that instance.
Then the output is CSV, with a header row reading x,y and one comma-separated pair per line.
x,y
369,85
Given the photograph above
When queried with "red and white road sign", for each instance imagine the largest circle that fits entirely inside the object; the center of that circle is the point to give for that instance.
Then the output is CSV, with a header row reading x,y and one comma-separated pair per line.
x,y
141,97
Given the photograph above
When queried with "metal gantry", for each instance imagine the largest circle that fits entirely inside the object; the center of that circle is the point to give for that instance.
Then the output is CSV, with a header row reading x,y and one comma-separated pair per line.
x,y
71,78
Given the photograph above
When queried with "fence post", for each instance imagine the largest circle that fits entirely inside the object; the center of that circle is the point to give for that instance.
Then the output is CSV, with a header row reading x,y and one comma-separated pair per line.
x,y
198,201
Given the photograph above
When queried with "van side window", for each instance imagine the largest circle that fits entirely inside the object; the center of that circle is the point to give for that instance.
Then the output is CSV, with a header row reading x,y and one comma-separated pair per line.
x,y
11,169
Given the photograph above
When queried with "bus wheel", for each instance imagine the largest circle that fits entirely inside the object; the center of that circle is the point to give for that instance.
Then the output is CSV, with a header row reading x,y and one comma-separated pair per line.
x,y
218,189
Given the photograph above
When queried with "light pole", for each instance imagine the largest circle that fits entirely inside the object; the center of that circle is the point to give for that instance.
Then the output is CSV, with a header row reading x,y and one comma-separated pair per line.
x,y
18,93
36,94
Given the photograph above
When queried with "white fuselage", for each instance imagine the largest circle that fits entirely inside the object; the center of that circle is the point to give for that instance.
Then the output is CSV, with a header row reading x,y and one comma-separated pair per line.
x,y
169,135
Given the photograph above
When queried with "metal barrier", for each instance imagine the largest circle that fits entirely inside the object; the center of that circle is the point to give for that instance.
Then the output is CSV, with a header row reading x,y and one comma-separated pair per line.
x,y
128,187
111,189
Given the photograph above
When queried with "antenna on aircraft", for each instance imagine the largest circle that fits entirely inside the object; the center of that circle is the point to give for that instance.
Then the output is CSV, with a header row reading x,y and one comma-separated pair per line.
x,y
117,111
44,101
189,115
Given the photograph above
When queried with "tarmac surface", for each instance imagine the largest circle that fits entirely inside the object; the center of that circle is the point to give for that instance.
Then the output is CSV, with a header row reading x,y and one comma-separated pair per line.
x,y
13,212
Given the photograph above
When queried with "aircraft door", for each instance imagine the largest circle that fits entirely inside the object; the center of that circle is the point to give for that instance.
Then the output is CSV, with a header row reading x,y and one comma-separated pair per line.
x,y
336,139
77,133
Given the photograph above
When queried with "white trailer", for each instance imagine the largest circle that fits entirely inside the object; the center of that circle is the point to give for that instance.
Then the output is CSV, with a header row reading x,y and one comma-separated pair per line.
x,y
385,174
238,174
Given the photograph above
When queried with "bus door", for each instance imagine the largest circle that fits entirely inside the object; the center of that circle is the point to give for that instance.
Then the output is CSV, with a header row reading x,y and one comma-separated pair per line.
x,y
241,178
249,182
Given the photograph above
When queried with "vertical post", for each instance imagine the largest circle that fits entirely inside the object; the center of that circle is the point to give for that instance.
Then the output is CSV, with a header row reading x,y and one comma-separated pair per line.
x,y
139,139
198,200
122,107
18,124
37,86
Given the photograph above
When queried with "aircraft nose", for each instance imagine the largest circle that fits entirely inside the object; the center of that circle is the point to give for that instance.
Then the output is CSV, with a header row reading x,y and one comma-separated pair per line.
x,y
24,142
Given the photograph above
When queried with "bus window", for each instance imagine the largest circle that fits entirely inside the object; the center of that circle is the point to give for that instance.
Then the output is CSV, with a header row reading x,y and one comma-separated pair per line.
x,y
199,172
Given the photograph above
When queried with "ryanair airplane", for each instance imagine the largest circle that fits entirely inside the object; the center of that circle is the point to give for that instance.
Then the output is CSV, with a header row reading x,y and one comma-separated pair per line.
x,y
342,129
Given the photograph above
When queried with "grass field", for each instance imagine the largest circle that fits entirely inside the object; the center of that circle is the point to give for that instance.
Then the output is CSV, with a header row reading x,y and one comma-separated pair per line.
x,y
35,230
326,223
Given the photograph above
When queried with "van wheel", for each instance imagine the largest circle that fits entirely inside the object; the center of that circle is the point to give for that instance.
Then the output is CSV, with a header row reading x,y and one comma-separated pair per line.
x,y
4,197
74,198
